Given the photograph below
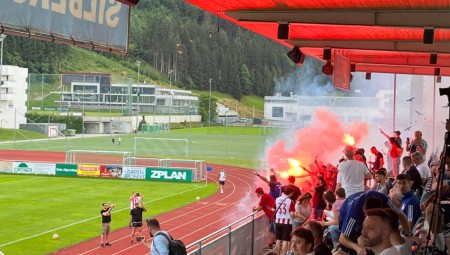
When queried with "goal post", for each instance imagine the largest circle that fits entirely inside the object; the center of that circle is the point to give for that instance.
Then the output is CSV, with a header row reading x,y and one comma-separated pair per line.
x,y
96,157
149,146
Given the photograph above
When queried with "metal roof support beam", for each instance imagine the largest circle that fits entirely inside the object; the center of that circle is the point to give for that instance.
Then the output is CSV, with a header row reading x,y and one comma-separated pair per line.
x,y
406,46
438,19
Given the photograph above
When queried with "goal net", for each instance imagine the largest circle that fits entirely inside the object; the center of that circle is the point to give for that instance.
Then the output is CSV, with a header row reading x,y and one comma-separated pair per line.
x,y
96,157
157,147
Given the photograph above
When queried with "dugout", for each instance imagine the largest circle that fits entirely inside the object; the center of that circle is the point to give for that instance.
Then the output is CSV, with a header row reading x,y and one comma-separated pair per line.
x,y
107,127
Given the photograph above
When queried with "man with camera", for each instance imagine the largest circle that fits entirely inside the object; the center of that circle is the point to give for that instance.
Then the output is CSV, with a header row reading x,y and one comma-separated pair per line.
x,y
106,223
418,144
136,221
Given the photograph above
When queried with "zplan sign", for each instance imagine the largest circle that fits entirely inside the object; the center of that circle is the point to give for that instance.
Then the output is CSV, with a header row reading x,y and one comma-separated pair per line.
x,y
169,174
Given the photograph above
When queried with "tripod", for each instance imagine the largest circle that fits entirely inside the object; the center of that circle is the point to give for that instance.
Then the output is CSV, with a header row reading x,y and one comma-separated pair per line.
x,y
445,157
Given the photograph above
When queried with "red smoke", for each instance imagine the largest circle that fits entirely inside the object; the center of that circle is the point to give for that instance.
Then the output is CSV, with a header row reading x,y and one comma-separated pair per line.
x,y
323,138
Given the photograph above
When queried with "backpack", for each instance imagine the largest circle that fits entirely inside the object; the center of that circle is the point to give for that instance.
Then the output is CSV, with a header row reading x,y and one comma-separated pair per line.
x,y
176,247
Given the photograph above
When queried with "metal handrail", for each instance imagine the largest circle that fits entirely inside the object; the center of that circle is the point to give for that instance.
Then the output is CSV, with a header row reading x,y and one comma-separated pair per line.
x,y
200,243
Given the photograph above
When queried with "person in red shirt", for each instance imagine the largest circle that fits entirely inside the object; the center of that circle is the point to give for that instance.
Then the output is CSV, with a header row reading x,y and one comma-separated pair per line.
x,y
395,153
267,204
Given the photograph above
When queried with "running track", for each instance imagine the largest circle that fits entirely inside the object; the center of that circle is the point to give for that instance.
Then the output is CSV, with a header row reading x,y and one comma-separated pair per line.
x,y
189,223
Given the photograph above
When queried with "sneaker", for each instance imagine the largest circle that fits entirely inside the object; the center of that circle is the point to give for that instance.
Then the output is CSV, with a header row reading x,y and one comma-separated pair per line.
x,y
102,245
221,192
108,244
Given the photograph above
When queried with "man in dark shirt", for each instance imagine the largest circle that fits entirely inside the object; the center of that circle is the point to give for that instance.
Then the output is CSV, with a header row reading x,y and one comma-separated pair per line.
x,y
297,192
136,219
413,174
274,185
379,161
317,231
106,223
352,215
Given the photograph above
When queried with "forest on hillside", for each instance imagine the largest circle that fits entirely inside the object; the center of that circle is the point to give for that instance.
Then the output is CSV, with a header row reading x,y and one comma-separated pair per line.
x,y
188,45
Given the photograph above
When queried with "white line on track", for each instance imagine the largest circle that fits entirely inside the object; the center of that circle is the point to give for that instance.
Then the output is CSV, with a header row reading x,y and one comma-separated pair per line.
x,y
92,218
246,181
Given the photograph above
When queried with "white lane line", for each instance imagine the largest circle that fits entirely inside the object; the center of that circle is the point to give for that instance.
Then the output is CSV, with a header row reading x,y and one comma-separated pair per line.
x,y
85,220
246,181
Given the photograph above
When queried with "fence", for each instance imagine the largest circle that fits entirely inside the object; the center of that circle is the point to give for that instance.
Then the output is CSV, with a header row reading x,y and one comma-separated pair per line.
x,y
246,236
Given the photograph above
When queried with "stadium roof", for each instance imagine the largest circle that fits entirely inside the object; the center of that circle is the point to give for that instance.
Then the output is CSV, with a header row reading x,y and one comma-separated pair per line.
x,y
383,36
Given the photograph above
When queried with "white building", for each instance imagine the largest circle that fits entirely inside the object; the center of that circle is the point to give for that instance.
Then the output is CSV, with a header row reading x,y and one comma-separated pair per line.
x,y
298,111
225,115
84,91
13,96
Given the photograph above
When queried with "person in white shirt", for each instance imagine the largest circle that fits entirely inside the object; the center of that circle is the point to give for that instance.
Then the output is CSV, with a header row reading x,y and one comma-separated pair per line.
x,y
352,173
283,220
222,176
376,233
421,166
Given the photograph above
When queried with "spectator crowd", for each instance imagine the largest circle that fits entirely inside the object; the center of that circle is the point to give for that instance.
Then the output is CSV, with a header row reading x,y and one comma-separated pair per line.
x,y
360,207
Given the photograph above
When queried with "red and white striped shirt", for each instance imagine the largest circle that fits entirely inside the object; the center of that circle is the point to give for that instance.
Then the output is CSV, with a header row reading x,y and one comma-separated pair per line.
x,y
285,207
134,200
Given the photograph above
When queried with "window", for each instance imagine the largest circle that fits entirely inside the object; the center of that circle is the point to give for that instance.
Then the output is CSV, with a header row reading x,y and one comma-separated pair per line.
x,y
277,112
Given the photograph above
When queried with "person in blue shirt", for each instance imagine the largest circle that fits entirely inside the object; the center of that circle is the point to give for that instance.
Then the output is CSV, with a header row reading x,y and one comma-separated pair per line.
x,y
352,215
410,202
160,244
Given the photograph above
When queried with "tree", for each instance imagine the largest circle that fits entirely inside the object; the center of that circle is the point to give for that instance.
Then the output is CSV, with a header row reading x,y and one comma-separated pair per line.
x,y
204,107
246,81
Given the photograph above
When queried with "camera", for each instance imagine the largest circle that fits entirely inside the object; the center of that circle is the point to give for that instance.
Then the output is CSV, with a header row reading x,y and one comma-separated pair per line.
x,y
140,238
445,91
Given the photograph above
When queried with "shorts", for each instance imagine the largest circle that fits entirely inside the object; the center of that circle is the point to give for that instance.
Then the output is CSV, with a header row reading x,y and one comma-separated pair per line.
x,y
222,182
137,224
283,232
272,226
106,228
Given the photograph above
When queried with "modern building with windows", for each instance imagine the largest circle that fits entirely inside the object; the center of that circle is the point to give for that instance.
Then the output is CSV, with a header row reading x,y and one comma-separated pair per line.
x,y
95,91
13,96
298,111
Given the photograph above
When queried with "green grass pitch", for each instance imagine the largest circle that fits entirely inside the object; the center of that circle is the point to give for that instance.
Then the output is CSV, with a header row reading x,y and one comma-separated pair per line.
x,y
36,207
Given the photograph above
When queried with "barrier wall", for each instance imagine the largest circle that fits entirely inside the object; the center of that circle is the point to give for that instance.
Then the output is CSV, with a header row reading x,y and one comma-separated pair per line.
x,y
95,170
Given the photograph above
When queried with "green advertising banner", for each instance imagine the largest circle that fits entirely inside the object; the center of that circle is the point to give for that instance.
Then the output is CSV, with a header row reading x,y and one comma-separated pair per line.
x,y
66,169
168,174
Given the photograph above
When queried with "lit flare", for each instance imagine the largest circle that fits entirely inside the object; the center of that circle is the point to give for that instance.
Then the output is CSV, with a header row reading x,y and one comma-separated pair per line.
x,y
348,139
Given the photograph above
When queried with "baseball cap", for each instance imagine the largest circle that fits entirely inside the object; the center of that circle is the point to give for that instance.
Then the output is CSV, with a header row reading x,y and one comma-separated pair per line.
x,y
397,132
259,190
